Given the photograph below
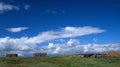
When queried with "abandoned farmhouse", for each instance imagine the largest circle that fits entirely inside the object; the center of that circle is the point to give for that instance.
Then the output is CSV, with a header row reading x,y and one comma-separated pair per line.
x,y
11,55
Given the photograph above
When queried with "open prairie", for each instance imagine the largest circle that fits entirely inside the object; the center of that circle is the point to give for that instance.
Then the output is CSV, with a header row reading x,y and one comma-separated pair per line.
x,y
61,61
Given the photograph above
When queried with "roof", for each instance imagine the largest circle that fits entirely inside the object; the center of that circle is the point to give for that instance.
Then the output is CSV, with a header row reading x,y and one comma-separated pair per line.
x,y
113,54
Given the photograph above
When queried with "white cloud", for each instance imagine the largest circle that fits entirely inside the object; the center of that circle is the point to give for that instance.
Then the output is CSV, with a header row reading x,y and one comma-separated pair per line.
x,y
8,44
26,7
7,7
50,45
77,48
67,32
17,29
28,45
73,42
80,31
4,7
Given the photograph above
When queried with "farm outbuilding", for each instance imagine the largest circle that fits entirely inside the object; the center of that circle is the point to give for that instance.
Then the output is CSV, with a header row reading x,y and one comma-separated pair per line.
x,y
93,55
88,55
11,55
113,54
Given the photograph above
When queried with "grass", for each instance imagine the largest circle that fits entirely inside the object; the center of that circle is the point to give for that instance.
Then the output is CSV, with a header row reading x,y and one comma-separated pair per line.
x,y
61,61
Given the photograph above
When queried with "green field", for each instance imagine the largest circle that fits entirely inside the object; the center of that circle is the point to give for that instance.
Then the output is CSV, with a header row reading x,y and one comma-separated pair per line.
x,y
62,61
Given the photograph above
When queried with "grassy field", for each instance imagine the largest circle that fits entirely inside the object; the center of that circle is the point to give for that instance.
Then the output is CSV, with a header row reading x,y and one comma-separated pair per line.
x,y
62,61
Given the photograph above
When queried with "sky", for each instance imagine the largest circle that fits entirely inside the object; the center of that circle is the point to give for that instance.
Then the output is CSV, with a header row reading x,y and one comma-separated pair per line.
x,y
59,27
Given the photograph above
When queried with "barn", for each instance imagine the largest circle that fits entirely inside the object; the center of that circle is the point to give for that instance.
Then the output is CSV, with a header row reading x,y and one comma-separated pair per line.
x,y
11,55
113,54
88,55
95,55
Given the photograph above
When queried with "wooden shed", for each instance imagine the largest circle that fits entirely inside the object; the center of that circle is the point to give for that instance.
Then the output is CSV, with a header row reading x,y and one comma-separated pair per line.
x,y
11,55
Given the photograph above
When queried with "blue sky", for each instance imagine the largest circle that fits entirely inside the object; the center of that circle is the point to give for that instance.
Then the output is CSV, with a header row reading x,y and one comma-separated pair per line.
x,y
59,26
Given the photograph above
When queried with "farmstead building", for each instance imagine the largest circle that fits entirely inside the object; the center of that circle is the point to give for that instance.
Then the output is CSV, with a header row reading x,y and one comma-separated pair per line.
x,y
11,55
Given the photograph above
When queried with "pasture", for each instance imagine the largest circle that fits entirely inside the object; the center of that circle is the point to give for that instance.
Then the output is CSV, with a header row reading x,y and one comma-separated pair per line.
x,y
60,61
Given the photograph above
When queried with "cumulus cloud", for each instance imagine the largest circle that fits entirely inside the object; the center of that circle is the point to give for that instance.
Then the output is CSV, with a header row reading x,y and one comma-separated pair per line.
x,y
7,7
17,29
25,47
28,45
76,48
73,42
